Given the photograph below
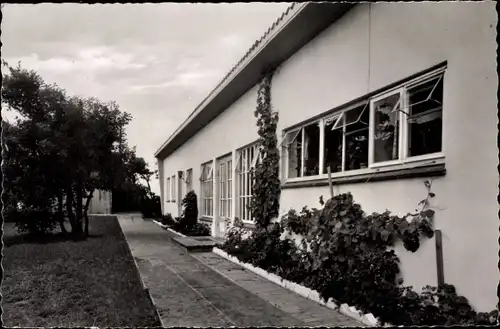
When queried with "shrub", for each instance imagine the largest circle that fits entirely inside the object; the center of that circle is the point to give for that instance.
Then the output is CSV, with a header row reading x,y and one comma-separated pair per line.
x,y
167,220
34,221
345,256
150,206
190,209
198,229
187,223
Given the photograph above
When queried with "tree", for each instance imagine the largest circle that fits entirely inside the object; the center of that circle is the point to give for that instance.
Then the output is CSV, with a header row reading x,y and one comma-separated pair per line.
x,y
136,173
59,150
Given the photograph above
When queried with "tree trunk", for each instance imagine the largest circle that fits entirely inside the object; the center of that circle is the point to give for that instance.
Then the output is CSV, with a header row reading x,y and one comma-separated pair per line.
x,y
79,208
85,211
147,182
60,213
69,208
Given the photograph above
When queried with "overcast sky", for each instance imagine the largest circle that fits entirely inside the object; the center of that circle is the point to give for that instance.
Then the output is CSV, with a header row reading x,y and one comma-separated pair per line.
x,y
158,61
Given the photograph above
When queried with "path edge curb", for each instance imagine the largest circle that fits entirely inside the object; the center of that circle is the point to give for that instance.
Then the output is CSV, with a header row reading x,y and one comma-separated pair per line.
x,y
349,311
169,229
144,287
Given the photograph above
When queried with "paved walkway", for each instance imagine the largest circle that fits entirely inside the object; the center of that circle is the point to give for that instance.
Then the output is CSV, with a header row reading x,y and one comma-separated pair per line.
x,y
205,290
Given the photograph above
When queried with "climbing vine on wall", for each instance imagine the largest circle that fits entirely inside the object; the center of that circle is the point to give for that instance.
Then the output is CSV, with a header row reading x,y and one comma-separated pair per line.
x,y
266,191
346,256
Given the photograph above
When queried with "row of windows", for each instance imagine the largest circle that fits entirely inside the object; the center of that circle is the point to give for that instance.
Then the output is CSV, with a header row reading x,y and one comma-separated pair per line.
x,y
401,125
246,160
223,173
170,190
171,185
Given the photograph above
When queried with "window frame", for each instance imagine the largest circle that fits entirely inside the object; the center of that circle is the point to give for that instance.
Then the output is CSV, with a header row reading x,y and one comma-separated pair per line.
x,y
167,189
188,179
173,197
243,179
403,160
224,186
209,181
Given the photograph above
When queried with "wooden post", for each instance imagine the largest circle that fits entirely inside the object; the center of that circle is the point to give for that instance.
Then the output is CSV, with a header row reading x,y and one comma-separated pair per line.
x,y
330,182
439,257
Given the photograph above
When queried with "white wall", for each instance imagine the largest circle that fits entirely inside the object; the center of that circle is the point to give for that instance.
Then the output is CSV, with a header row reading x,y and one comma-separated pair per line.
x,y
100,203
370,47
234,128
375,45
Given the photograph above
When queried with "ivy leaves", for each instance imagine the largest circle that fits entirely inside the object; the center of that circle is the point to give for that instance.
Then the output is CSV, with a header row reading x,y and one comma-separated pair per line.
x,y
266,189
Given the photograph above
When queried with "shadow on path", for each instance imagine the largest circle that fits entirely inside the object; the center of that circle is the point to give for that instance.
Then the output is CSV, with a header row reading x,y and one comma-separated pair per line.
x,y
187,292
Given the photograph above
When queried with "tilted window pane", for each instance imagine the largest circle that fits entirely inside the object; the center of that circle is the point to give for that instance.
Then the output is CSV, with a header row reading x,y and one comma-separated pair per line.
x,y
387,125
425,124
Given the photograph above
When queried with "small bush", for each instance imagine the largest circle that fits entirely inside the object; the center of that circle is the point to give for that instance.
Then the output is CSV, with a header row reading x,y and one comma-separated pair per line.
x,y
151,206
188,224
197,229
189,204
35,222
345,257
167,220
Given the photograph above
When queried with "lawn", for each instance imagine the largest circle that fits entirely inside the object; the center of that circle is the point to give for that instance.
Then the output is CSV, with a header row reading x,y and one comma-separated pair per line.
x,y
73,283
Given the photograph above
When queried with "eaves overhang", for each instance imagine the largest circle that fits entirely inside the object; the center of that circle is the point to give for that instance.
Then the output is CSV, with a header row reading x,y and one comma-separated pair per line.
x,y
293,29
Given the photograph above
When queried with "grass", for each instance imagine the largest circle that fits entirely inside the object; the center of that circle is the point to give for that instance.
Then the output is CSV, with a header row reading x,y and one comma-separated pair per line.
x,y
73,283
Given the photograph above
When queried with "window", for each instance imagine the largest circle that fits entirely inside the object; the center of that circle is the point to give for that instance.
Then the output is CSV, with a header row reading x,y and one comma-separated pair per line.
x,y
346,139
174,189
207,190
425,111
188,180
247,160
345,144
403,124
387,116
304,149
225,187
407,123
167,190
294,144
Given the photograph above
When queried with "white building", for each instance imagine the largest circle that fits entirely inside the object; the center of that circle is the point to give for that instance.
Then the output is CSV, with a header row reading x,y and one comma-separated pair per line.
x,y
100,203
343,68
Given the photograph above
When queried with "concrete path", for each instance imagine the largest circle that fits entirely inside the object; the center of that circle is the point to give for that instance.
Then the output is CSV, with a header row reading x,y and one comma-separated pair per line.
x,y
205,290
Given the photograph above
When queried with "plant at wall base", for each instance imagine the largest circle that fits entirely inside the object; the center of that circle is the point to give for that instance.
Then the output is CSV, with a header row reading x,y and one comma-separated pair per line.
x,y
187,223
190,208
266,189
167,219
345,256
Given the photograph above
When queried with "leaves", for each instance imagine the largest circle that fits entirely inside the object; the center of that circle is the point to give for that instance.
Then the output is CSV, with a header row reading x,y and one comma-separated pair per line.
x,y
58,143
266,188
344,256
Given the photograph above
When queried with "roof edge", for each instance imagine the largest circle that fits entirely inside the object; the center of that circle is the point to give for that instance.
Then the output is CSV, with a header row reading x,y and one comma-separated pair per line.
x,y
285,18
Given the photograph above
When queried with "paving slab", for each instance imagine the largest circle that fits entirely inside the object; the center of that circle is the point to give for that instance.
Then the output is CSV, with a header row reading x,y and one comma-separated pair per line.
x,y
204,290
194,245
308,311
186,292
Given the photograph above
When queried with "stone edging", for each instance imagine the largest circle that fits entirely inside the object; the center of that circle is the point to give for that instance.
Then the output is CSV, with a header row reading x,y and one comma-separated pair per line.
x,y
169,229
350,311
144,287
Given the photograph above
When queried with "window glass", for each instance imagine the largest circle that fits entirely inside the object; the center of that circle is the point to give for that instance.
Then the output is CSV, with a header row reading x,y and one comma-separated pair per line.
x,y
386,128
311,150
295,156
425,124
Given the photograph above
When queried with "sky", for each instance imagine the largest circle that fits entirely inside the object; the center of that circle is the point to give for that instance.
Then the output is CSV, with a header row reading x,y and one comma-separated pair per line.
x,y
157,61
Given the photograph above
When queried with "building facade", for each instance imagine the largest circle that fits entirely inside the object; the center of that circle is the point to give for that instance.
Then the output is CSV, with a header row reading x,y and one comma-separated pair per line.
x,y
100,203
386,95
